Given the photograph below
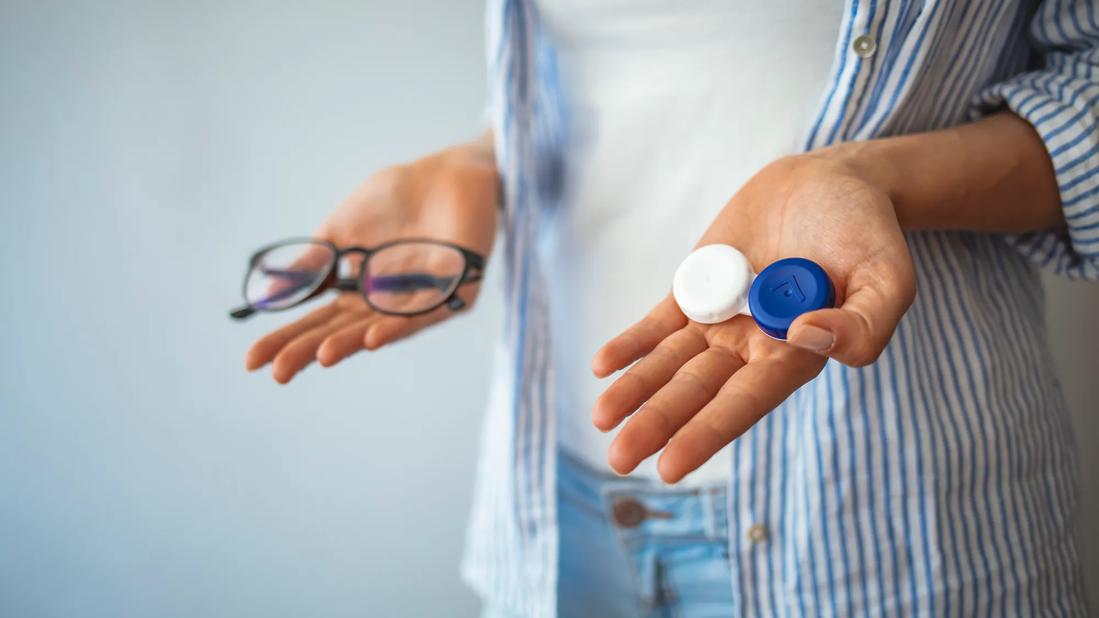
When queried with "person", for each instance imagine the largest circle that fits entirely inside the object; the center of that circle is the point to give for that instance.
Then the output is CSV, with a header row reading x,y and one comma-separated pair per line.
x,y
905,453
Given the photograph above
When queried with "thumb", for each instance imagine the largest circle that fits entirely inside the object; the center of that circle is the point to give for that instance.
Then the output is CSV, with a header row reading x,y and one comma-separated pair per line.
x,y
856,333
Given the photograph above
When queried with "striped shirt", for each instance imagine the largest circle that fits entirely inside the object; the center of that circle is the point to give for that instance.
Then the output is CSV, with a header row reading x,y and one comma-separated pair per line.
x,y
941,480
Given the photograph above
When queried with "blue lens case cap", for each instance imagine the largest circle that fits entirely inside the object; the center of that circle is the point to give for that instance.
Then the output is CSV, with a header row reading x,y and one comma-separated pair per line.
x,y
787,289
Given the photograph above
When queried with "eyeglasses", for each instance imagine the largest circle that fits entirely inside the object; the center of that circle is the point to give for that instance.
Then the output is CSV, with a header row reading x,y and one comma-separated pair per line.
x,y
402,277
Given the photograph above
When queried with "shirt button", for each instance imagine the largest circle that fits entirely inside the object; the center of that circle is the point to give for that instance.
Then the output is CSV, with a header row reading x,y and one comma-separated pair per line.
x,y
757,533
865,46
628,513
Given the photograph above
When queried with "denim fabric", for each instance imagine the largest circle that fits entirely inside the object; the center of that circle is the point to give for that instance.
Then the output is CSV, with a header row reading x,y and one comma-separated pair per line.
x,y
636,548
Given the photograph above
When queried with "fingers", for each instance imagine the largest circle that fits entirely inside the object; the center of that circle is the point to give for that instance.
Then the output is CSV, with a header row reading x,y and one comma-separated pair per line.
x,y
639,339
344,342
302,350
264,350
646,377
390,329
753,391
856,333
694,385
331,334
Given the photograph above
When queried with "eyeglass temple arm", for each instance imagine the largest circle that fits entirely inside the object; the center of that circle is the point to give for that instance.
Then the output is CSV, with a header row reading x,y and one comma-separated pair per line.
x,y
407,282
245,311
471,275
299,277
475,267
422,281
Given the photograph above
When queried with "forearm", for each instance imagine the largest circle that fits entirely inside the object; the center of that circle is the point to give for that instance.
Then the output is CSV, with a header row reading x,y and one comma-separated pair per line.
x,y
993,175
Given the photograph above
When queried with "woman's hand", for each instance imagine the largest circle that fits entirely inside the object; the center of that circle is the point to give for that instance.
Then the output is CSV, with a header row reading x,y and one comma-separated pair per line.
x,y
701,386
452,195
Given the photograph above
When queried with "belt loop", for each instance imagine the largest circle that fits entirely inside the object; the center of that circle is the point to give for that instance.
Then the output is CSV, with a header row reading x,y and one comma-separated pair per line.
x,y
718,511
708,512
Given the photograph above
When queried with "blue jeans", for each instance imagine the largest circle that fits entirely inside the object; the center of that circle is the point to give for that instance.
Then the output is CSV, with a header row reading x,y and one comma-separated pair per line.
x,y
632,547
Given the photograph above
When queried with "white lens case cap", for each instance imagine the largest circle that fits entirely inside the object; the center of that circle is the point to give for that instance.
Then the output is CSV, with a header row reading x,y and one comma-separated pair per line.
x,y
711,284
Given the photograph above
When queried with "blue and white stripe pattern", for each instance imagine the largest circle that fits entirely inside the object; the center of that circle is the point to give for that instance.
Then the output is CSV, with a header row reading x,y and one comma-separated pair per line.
x,y
940,480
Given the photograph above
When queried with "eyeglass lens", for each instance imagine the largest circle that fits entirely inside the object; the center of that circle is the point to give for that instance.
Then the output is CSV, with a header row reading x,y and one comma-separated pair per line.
x,y
412,277
285,275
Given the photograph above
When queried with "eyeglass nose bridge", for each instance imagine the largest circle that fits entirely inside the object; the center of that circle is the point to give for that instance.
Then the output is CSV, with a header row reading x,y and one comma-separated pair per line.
x,y
363,251
346,285
349,284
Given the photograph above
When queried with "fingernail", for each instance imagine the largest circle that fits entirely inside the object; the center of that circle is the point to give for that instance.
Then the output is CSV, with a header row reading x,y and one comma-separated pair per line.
x,y
812,338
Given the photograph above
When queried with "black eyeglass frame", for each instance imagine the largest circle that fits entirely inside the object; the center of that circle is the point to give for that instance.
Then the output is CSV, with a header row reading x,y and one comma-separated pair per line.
x,y
472,271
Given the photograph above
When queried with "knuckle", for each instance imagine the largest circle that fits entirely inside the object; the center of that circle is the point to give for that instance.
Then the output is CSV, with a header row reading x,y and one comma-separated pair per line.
x,y
908,295
627,382
604,409
863,354
660,420
695,383
859,361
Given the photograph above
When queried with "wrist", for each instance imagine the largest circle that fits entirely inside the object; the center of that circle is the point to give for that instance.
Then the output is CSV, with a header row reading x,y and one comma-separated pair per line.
x,y
478,155
469,168
870,164
992,175
906,171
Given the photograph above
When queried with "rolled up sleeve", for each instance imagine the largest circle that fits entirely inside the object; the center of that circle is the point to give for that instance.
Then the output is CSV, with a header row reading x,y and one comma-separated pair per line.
x,y
1061,101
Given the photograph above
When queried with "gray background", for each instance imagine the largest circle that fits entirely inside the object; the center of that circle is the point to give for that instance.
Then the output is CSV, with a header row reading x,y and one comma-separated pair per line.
x,y
145,148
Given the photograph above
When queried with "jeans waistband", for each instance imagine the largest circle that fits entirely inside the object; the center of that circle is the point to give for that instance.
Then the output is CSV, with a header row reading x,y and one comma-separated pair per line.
x,y
644,507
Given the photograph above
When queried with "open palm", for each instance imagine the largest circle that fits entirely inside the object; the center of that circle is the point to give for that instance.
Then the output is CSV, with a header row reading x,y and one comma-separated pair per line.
x,y
697,387
450,196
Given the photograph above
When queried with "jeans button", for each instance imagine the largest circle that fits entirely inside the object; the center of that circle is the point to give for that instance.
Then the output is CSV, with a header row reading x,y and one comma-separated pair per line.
x,y
628,512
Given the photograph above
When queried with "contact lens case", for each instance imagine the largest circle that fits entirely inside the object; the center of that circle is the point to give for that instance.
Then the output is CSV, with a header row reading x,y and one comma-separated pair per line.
x,y
716,282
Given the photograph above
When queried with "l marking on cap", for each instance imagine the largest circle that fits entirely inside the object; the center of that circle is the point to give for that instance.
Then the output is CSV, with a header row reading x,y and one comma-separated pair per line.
x,y
791,287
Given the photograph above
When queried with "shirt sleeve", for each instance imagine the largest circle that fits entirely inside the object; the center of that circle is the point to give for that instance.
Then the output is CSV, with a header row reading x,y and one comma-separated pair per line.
x,y
1061,101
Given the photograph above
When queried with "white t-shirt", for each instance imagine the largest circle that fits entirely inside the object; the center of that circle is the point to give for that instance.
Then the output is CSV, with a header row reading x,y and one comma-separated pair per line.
x,y
673,105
